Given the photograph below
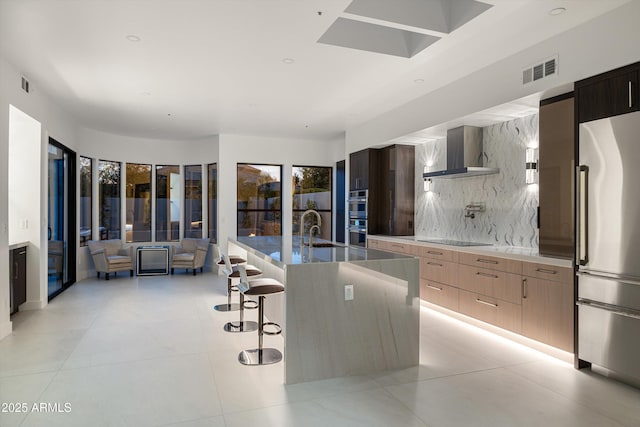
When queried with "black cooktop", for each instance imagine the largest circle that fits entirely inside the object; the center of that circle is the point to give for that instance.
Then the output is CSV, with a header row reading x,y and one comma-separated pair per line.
x,y
453,242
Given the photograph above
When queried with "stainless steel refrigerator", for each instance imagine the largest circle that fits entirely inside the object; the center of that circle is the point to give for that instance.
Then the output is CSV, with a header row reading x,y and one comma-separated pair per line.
x,y
608,244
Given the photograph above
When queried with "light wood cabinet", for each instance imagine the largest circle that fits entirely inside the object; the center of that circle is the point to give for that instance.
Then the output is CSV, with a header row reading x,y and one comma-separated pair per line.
x,y
491,310
532,299
547,305
439,294
493,283
491,262
548,272
439,271
436,253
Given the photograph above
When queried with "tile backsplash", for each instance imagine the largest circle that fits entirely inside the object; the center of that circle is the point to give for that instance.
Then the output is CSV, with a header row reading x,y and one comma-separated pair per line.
x,y
511,205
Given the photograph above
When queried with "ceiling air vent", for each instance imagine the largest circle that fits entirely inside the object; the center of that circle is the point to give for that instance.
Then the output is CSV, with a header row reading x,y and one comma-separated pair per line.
x,y
25,84
541,70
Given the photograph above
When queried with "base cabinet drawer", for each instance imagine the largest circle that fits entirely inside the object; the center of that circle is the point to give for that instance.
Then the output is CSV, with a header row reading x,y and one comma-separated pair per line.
x,y
491,310
491,263
496,284
548,272
438,271
439,294
437,253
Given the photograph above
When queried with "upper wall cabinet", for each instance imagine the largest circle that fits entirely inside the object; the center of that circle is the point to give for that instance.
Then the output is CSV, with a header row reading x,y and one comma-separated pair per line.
x,y
360,163
609,94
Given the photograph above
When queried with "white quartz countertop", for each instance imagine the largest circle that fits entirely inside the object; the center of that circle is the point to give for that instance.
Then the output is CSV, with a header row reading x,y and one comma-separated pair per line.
x,y
283,250
510,252
18,245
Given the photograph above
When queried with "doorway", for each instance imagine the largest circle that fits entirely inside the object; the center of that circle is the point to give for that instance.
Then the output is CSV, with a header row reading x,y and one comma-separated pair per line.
x,y
61,218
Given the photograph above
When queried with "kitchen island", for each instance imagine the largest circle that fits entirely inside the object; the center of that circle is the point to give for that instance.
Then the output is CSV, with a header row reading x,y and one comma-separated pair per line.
x,y
327,335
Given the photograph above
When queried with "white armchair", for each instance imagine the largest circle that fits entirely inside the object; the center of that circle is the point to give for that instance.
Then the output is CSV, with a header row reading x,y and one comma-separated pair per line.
x,y
191,255
110,257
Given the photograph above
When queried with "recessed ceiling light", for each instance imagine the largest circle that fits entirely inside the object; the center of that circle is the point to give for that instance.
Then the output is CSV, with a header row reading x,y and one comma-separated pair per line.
x,y
133,38
288,60
557,11
418,81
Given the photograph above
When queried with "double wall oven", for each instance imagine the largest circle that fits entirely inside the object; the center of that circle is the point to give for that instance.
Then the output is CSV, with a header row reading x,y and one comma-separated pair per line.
x,y
358,217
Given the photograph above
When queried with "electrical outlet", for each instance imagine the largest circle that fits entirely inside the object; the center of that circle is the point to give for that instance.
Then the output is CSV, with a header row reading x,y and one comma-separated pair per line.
x,y
348,292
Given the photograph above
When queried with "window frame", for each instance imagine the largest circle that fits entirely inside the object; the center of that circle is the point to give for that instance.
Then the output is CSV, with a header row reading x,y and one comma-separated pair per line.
x,y
320,211
278,211
84,242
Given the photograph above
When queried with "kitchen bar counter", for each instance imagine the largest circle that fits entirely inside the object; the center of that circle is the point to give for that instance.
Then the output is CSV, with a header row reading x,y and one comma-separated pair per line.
x,y
325,334
510,252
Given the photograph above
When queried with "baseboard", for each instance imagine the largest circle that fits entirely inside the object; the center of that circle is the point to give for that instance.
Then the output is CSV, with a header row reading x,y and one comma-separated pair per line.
x,y
528,342
33,305
5,329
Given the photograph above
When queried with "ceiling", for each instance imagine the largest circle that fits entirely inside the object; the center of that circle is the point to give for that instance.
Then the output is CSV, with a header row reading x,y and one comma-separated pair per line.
x,y
205,67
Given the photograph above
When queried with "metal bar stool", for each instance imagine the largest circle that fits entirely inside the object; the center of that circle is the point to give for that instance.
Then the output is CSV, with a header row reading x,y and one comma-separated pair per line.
x,y
234,273
234,260
260,288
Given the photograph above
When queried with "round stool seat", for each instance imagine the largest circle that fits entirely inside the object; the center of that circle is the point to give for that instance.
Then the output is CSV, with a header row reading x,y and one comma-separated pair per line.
x,y
264,286
234,260
251,271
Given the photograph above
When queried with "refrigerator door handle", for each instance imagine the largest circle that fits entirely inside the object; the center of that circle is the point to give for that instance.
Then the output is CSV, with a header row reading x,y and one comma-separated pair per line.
x,y
582,178
613,309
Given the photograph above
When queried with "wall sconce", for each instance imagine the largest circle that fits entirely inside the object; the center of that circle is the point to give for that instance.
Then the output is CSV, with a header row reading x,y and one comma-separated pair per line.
x,y
531,165
428,185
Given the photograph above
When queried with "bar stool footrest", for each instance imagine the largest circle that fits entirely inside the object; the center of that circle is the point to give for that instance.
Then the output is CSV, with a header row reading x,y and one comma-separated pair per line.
x,y
278,328
250,304
256,357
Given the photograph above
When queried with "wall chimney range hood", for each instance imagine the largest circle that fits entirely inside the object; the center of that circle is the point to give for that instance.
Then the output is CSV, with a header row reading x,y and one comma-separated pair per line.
x,y
464,155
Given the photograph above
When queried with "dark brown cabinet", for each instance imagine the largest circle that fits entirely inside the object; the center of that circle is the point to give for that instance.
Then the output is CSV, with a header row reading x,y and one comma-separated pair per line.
x,y
396,202
360,163
557,166
18,282
388,174
609,94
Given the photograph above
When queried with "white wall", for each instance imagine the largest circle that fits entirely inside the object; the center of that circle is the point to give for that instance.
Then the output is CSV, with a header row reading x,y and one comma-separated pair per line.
x,y
236,149
56,123
607,42
25,159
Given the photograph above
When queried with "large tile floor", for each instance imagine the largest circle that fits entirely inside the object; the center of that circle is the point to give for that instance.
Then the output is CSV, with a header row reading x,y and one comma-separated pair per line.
x,y
151,351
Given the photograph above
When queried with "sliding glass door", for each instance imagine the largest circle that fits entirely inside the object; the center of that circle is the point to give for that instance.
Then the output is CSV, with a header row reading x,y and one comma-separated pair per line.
x,y
61,218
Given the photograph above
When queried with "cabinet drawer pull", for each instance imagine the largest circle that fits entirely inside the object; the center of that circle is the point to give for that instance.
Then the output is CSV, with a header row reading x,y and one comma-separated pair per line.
x,y
630,95
478,300
524,288
434,253
493,276
487,261
544,270
434,263
397,246
434,287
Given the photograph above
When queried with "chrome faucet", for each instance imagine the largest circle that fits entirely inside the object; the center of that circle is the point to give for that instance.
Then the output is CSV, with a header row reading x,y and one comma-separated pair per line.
x,y
313,227
317,227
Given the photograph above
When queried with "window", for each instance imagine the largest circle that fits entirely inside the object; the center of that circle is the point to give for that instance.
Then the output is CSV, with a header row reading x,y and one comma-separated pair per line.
x,y
213,202
86,201
138,191
259,200
167,203
109,199
193,201
312,190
